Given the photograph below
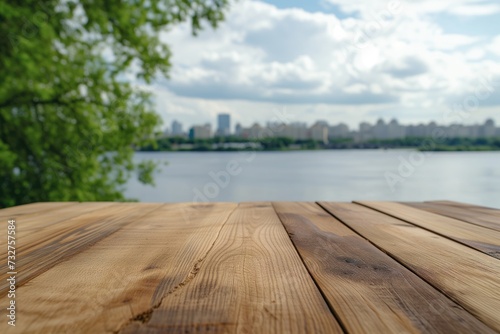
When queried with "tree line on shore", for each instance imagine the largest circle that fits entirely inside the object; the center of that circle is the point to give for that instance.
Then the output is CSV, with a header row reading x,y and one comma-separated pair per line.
x,y
233,143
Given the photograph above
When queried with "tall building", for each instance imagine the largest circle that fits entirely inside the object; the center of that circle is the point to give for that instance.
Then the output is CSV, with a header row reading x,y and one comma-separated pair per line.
x,y
379,130
296,131
488,129
238,130
339,131
223,124
365,131
319,132
177,129
394,130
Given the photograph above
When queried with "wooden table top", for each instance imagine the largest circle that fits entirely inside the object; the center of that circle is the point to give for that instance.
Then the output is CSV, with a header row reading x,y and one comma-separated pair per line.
x,y
362,267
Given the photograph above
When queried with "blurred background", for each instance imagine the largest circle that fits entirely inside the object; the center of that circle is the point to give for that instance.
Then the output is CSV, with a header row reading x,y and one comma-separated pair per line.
x,y
179,101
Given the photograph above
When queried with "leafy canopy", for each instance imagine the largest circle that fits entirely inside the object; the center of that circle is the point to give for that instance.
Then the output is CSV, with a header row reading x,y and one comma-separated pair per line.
x,y
70,115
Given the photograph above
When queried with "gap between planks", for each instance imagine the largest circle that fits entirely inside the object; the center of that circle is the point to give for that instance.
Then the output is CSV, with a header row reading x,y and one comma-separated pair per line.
x,y
257,284
488,219
192,270
468,277
476,237
368,290
161,252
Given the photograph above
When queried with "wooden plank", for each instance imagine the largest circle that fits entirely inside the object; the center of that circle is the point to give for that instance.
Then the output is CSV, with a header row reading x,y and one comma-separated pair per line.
x,y
495,212
33,208
460,213
48,245
34,222
33,226
470,278
122,276
369,291
251,281
480,238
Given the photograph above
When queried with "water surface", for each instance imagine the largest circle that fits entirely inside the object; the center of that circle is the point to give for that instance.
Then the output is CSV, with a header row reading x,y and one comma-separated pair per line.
x,y
335,175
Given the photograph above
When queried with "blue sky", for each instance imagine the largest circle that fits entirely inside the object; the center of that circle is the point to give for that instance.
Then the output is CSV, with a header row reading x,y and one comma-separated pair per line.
x,y
311,6
484,25
339,61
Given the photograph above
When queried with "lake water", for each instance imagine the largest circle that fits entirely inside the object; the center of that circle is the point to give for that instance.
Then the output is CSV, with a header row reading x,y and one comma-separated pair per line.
x,y
335,175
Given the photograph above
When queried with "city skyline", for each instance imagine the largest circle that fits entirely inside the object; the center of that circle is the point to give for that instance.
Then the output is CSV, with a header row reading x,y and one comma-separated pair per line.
x,y
385,119
323,131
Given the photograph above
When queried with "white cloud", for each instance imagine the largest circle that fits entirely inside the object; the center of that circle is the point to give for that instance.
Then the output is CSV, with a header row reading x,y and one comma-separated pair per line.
x,y
476,10
375,8
494,47
263,56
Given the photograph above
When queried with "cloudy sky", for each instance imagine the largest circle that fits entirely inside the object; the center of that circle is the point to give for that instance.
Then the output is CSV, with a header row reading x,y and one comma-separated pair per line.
x,y
339,61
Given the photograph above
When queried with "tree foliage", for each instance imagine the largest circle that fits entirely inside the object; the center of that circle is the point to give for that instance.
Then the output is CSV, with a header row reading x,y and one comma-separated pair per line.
x,y
71,110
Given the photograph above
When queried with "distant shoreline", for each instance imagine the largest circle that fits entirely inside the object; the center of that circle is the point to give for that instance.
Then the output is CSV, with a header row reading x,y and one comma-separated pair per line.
x,y
440,149
178,144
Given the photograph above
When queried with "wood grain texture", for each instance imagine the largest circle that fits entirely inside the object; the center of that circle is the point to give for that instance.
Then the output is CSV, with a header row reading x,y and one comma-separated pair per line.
x,y
369,291
32,227
251,281
480,238
223,268
474,208
38,208
461,213
470,278
122,276
44,245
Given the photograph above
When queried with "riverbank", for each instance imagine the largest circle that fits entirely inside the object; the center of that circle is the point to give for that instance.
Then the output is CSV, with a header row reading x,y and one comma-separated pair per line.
x,y
235,144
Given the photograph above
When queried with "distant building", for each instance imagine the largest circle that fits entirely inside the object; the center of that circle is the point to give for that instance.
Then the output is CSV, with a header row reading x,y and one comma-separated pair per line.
x,y
420,130
365,132
339,131
394,130
256,131
201,132
379,131
488,129
177,129
296,131
223,124
238,130
319,132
